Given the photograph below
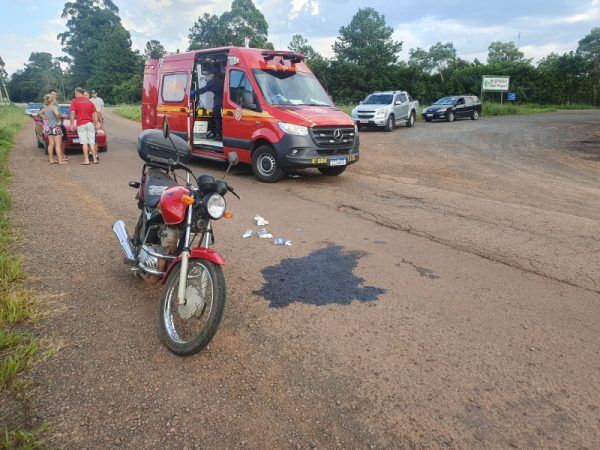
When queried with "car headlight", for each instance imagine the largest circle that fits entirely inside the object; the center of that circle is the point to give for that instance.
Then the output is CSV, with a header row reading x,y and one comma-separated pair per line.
x,y
442,110
215,206
380,113
290,128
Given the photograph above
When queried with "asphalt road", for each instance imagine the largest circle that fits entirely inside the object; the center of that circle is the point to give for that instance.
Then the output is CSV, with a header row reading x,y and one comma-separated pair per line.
x,y
444,291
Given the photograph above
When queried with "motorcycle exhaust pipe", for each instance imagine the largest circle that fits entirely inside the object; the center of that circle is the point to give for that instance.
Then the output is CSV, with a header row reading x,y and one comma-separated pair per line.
x,y
121,233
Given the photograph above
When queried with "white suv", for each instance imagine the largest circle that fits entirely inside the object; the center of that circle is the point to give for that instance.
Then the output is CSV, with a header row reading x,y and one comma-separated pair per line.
x,y
386,109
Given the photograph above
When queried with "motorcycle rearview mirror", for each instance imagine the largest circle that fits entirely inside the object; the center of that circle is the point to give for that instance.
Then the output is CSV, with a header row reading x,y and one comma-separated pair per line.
x,y
165,127
233,159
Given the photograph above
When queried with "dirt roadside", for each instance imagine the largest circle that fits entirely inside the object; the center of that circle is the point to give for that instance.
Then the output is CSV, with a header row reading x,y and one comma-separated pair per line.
x,y
358,335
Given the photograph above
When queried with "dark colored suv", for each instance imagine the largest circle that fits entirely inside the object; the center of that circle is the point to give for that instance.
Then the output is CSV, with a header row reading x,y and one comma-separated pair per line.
x,y
454,107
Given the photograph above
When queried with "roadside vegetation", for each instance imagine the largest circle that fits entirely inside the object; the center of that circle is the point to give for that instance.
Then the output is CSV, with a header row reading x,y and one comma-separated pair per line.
x,y
19,309
132,112
506,109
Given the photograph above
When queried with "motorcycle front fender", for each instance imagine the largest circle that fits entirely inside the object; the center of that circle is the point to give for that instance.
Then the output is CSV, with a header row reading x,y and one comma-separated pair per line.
x,y
196,253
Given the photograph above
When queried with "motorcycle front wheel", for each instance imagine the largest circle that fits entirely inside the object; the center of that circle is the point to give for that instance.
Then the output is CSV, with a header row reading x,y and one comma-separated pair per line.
x,y
187,328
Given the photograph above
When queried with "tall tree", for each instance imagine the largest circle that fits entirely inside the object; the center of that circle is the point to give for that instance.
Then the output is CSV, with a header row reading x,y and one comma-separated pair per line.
x,y
500,52
40,74
313,59
115,63
154,50
209,31
367,41
438,58
243,22
87,23
589,47
97,45
300,44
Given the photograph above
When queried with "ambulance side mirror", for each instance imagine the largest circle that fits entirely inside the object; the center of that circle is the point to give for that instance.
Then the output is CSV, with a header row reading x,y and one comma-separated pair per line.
x,y
165,127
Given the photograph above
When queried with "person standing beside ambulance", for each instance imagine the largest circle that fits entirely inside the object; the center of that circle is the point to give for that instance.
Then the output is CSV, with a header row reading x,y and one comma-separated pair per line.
x,y
87,122
216,86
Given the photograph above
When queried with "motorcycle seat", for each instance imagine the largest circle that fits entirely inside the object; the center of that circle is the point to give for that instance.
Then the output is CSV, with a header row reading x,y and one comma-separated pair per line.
x,y
156,182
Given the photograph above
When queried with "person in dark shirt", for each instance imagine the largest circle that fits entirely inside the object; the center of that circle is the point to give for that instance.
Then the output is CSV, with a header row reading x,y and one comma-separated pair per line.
x,y
215,85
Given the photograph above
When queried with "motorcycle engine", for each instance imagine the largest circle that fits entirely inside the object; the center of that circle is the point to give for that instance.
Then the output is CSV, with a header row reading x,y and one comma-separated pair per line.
x,y
169,237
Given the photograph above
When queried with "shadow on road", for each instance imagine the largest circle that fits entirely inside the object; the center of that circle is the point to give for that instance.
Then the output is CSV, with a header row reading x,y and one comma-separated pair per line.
x,y
321,278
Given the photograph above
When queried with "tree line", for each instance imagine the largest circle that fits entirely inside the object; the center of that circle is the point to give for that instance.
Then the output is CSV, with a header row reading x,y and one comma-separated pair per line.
x,y
99,55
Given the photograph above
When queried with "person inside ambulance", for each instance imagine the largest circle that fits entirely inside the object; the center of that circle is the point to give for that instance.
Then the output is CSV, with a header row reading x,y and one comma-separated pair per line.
x,y
216,86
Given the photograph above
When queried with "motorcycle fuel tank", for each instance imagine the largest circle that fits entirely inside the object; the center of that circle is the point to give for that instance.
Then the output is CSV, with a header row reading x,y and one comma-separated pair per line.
x,y
172,207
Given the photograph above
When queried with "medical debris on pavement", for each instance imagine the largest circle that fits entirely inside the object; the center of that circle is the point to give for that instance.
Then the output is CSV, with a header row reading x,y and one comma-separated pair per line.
x,y
263,233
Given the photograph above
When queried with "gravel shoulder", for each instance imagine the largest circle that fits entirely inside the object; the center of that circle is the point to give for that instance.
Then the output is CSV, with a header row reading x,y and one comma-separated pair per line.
x,y
429,299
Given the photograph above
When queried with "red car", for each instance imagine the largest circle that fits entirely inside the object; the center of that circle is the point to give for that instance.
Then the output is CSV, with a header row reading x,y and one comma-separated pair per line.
x,y
71,139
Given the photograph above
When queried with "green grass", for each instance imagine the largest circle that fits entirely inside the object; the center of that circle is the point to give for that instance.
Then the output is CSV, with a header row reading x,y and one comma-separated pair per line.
x,y
131,112
506,109
18,306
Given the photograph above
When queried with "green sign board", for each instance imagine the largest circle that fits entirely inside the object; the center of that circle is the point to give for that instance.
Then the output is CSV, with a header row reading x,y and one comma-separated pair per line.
x,y
497,84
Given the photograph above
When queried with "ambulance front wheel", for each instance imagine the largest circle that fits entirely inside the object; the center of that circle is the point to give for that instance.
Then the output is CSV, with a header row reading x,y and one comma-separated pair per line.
x,y
266,166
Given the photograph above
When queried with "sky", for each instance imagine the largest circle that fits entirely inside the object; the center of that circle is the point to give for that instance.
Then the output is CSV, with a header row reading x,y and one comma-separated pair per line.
x,y
538,26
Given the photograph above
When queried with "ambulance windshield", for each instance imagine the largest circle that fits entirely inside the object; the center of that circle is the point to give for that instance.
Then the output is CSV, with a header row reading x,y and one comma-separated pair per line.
x,y
285,87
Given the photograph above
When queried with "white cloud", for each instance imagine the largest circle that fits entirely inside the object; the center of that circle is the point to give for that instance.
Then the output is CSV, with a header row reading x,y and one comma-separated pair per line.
x,y
15,56
299,6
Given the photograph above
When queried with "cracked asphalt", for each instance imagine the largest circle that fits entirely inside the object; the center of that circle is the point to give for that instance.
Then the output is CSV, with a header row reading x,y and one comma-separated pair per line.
x,y
443,292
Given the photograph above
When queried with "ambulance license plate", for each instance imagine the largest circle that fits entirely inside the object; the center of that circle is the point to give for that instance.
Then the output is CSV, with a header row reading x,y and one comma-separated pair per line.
x,y
337,162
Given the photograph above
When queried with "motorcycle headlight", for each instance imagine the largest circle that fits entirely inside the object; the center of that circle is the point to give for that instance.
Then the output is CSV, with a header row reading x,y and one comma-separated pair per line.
x,y
215,206
290,128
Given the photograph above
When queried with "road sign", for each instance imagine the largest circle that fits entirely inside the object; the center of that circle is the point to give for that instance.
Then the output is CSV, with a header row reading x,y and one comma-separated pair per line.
x,y
493,83
511,96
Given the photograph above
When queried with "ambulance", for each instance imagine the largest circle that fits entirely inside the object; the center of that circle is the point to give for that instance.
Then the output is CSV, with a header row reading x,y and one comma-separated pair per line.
x,y
276,115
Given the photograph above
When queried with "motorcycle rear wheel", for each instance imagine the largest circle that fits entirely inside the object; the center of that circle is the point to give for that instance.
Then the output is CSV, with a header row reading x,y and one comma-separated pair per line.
x,y
187,329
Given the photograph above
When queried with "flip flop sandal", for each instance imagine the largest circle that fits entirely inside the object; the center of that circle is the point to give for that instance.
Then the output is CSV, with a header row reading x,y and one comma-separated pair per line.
x,y
85,163
96,162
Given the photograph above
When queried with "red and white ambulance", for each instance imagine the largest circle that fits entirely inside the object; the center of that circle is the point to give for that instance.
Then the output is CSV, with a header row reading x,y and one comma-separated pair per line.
x,y
275,114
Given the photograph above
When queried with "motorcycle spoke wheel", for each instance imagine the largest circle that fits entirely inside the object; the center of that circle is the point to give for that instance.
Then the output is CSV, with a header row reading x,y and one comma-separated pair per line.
x,y
188,327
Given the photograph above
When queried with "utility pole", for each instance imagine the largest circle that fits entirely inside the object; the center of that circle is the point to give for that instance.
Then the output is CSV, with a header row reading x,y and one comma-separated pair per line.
x,y
4,98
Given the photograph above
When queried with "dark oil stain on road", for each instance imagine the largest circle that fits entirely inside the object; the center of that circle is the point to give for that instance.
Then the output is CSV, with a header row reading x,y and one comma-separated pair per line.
x,y
324,277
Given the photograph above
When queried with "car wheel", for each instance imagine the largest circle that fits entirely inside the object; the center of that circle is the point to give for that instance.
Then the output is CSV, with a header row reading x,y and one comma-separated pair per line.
x,y
411,120
390,124
45,146
265,165
359,127
332,171
37,140
450,117
475,115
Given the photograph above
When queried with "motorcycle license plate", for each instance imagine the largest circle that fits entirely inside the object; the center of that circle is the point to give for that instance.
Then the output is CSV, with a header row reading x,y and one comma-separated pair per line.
x,y
337,162
75,141
429,115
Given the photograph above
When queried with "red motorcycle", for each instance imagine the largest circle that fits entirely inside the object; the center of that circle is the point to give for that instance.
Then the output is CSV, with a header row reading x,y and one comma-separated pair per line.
x,y
162,248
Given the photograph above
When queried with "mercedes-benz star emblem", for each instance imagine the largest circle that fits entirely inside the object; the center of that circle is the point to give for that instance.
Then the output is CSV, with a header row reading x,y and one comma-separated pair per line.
x,y
338,135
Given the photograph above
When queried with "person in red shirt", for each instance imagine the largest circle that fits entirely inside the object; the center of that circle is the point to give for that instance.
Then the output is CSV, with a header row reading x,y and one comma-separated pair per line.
x,y
84,111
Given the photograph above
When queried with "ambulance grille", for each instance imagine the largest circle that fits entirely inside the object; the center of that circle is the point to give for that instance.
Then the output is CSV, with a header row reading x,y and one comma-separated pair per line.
x,y
338,137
